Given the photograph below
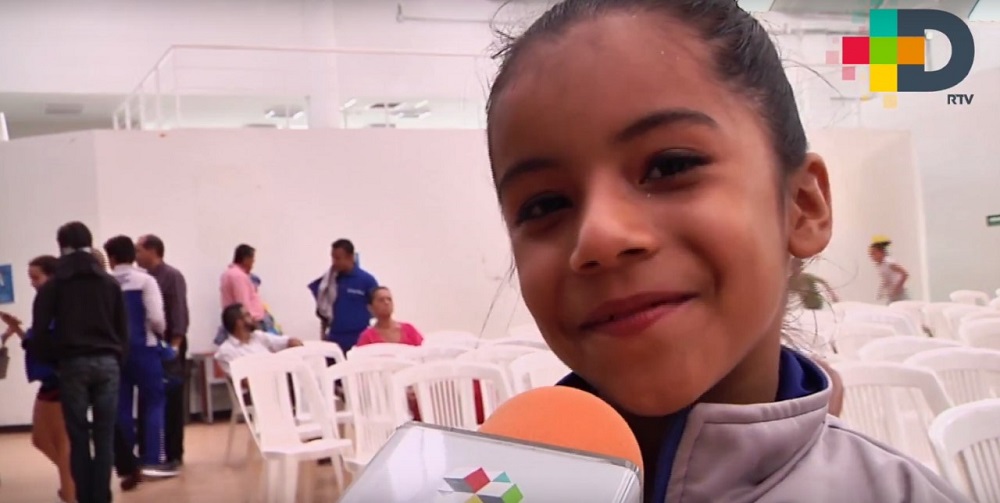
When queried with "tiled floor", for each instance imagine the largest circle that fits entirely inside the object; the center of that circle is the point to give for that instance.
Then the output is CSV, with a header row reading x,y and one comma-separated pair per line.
x,y
27,477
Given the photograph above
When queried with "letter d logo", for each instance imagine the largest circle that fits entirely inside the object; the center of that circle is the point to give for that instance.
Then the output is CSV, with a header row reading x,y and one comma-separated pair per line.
x,y
914,78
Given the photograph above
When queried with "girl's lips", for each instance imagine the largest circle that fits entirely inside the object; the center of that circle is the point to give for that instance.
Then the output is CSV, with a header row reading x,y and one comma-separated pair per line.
x,y
633,315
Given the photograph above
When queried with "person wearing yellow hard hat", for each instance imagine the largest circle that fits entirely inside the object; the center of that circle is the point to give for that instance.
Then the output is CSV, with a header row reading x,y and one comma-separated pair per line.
x,y
892,276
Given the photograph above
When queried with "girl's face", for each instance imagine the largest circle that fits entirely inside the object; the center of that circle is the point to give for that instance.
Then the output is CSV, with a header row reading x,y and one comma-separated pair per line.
x,y
37,277
645,208
381,306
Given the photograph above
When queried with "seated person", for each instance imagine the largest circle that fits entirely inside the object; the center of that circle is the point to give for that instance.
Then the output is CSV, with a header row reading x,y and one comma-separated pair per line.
x,y
387,329
244,339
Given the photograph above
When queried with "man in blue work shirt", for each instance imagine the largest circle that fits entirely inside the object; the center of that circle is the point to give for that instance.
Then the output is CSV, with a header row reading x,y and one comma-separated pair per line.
x,y
341,296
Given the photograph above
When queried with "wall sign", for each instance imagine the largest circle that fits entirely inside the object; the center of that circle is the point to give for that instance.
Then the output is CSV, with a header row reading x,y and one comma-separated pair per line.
x,y
993,220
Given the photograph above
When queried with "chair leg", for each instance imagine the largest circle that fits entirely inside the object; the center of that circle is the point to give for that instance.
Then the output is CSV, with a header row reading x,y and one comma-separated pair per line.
x,y
229,436
338,467
290,482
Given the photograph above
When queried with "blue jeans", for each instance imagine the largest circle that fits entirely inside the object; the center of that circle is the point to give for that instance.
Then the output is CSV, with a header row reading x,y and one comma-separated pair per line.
x,y
90,382
143,371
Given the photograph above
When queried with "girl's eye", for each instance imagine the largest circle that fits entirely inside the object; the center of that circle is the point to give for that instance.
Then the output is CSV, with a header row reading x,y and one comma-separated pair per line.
x,y
541,206
669,164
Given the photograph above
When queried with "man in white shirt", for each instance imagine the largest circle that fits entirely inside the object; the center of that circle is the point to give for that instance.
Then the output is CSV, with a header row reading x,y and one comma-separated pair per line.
x,y
245,340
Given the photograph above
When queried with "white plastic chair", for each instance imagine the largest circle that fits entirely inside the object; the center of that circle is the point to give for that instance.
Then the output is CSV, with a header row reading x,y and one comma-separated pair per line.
x,y
239,412
315,354
535,370
850,336
518,341
386,350
982,333
968,374
899,348
955,314
367,393
966,442
901,322
893,403
453,338
279,439
445,392
435,352
978,315
970,297
995,304
935,320
914,308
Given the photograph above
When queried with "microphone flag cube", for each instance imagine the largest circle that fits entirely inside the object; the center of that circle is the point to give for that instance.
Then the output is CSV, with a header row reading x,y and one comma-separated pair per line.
x,y
478,485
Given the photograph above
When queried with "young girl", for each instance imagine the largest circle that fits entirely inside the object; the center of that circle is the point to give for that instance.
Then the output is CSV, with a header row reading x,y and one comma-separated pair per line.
x,y
892,276
653,173
387,329
48,431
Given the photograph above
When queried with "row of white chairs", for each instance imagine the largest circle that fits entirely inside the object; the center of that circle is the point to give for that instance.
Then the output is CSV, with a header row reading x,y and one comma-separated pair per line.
x,y
906,403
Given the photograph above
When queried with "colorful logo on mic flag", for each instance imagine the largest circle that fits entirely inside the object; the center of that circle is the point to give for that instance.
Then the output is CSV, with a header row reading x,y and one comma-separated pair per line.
x,y
480,486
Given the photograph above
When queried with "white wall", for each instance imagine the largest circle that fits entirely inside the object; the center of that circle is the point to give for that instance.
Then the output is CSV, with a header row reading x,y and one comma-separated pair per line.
x,y
44,183
875,190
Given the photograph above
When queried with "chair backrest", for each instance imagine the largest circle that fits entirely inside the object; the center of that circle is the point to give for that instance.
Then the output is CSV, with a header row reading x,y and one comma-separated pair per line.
x,y
955,314
366,383
900,347
966,442
267,379
386,350
981,333
901,323
978,315
850,336
315,355
239,370
935,320
914,308
968,374
518,341
971,297
435,352
995,303
453,338
445,392
535,370
892,402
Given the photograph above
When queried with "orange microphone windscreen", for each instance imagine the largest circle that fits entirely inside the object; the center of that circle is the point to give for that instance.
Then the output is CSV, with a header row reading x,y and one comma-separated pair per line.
x,y
565,417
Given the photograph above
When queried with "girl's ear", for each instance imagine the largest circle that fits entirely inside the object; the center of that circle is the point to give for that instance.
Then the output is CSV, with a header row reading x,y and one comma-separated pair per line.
x,y
810,213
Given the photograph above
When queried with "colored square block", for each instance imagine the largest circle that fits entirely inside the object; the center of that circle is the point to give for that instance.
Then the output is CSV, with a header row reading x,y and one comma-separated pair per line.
x,y
474,499
890,101
832,57
477,480
882,78
910,50
849,73
501,493
458,485
855,50
882,51
883,23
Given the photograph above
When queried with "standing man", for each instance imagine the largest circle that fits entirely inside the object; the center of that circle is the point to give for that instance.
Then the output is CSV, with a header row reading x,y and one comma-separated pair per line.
x,y
236,286
143,371
342,296
80,325
149,252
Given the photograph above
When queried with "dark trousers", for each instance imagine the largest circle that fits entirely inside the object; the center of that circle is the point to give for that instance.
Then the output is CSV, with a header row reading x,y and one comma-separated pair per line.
x,y
126,463
143,372
90,383
174,431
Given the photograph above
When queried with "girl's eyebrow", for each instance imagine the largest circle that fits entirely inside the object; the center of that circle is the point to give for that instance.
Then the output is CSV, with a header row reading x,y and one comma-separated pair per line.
x,y
522,168
660,119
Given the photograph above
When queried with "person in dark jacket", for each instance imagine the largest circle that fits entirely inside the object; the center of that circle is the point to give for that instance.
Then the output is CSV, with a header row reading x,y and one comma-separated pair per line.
x,y
79,325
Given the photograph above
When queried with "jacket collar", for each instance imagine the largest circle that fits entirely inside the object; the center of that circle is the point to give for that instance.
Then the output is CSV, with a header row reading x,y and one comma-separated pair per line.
x,y
724,452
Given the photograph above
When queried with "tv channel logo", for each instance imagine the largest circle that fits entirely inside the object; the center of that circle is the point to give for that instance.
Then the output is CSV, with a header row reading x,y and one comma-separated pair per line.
x,y
895,52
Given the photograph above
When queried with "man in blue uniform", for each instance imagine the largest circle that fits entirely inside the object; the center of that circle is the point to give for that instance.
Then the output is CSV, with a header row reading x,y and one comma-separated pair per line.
x,y
342,296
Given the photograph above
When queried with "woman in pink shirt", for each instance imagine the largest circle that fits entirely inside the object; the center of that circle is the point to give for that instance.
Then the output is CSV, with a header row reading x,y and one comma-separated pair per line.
x,y
387,329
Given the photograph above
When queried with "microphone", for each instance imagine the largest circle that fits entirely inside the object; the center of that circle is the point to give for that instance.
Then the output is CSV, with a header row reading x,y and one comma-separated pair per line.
x,y
548,444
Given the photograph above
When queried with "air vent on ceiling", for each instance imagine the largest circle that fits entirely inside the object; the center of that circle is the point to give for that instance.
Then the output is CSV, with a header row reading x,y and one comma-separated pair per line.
x,y
63,109
283,112
262,126
382,125
384,105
